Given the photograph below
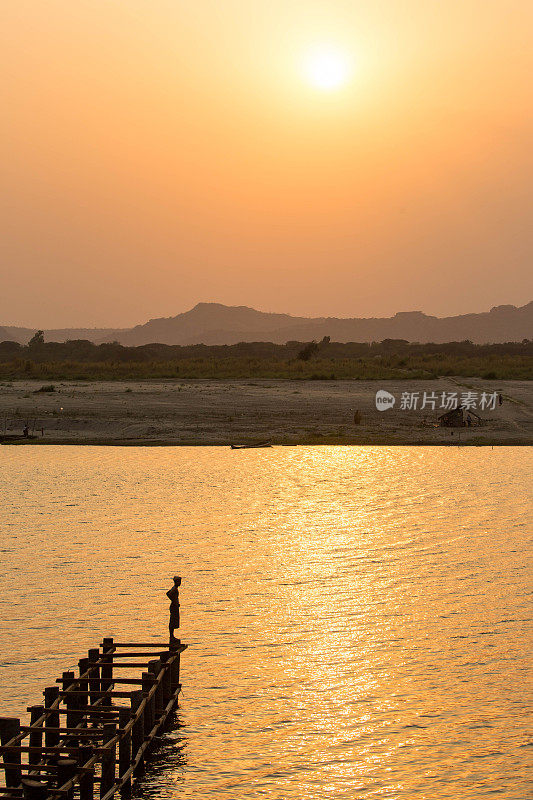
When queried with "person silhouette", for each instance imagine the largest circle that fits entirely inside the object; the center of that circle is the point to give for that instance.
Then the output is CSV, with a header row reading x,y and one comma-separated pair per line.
x,y
174,597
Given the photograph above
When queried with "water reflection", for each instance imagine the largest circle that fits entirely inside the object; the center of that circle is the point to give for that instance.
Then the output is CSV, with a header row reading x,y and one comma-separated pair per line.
x,y
358,618
168,755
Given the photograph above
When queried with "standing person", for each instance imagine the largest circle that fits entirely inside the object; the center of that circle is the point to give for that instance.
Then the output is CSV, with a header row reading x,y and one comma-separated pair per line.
x,y
500,399
174,597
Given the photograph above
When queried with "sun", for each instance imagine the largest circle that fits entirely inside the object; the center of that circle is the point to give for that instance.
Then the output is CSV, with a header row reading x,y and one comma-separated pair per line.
x,y
327,67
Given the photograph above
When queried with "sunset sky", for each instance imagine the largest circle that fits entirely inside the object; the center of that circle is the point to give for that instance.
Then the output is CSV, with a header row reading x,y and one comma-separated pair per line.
x,y
340,158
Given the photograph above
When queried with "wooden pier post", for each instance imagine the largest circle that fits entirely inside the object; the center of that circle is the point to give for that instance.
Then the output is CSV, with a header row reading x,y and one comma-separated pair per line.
x,y
149,712
154,667
51,737
167,678
66,770
137,733
34,790
175,670
36,734
94,675
10,727
83,667
71,700
124,751
107,779
86,781
107,668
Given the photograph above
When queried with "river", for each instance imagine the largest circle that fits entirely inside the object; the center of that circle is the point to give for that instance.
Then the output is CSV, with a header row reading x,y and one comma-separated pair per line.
x,y
358,618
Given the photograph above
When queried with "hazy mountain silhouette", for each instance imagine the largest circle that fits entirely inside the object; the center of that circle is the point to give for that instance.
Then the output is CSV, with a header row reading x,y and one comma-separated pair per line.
x,y
213,323
23,335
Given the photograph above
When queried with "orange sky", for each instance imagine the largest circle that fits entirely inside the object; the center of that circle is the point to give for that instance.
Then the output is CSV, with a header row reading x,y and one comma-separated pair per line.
x,y
157,153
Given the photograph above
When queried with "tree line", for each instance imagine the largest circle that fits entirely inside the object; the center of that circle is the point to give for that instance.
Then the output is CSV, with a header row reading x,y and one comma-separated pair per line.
x,y
85,351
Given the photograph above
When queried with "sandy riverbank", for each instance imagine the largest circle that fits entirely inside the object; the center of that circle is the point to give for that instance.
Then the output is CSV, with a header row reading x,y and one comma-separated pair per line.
x,y
201,412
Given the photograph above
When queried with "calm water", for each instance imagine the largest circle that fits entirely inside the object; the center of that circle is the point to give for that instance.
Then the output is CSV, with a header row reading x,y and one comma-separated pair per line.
x,y
359,618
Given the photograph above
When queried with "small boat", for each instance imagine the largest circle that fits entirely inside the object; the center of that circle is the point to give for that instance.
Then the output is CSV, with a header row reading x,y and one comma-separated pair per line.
x,y
249,446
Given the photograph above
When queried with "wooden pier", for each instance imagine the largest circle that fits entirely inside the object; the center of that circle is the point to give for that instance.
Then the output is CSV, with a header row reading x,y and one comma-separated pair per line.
x,y
87,736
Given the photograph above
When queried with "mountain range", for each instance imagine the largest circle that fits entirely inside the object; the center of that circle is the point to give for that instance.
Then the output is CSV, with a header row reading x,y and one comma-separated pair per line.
x,y
213,323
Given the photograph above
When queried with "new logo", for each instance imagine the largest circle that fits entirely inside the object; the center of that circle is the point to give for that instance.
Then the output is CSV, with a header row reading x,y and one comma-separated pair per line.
x,y
384,400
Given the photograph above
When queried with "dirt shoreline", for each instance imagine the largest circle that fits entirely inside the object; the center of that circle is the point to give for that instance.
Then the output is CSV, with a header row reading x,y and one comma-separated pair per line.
x,y
206,412
318,443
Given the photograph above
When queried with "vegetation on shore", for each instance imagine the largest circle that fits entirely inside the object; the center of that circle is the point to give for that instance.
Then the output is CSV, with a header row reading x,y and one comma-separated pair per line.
x,y
325,360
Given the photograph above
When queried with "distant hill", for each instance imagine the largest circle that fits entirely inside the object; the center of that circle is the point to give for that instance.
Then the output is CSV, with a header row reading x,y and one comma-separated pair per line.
x,y
23,335
213,323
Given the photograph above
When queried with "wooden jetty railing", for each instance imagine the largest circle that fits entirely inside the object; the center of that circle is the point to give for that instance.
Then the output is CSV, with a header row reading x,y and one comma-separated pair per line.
x,y
86,732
